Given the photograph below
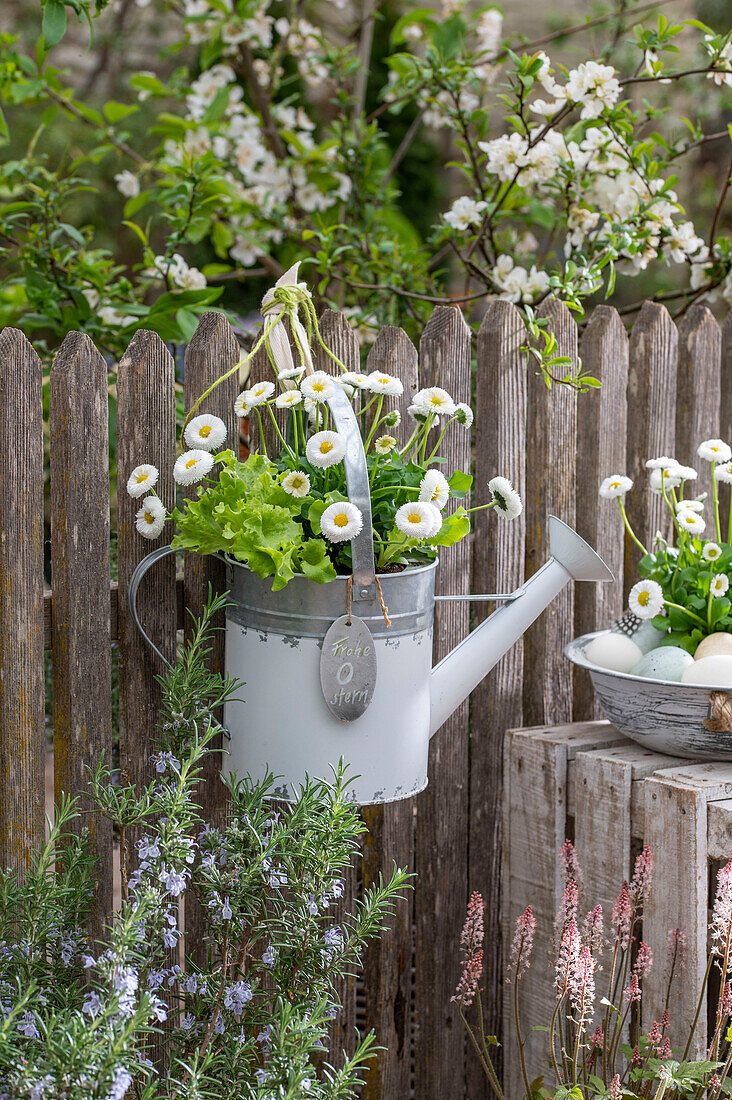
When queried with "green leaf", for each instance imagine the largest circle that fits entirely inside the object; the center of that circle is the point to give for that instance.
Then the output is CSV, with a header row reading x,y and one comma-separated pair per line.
x,y
460,483
54,22
114,111
315,563
454,528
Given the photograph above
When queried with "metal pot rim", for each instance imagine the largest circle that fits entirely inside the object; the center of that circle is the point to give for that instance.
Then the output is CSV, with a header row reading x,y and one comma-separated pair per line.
x,y
410,571
574,651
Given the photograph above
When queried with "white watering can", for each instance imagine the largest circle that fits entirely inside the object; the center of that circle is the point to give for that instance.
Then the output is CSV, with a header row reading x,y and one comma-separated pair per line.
x,y
299,686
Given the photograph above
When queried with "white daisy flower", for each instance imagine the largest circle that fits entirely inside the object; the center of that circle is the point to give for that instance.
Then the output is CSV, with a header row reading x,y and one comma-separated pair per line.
x,y
142,480
292,372
150,520
355,378
507,500
464,415
259,393
325,449
689,506
287,399
723,472
206,432
434,400
241,405
417,519
719,585
435,488
296,483
347,388
664,478
616,486
341,521
393,419
691,522
711,551
646,599
385,383
416,412
686,473
661,463
310,407
714,450
318,386
192,466
384,444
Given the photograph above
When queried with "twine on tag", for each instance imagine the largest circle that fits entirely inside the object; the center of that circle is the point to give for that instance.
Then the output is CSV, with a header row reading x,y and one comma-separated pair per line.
x,y
720,720
384,608
349,595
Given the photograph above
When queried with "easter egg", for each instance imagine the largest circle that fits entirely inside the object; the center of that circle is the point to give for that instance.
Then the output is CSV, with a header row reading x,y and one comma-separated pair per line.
x,y
714,645
641,631
613,651
711,671
668,662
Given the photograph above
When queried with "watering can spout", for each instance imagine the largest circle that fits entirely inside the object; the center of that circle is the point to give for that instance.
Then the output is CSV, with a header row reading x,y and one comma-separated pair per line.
x,y
461,671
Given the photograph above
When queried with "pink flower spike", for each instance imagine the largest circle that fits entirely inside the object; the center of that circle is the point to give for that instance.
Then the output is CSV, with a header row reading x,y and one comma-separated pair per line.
x,y
633,992
471,939
598,1039
468,984
569,950
571,869
592,930
722,909
523,942
676,949
643,961
615,1091
620,916
640,884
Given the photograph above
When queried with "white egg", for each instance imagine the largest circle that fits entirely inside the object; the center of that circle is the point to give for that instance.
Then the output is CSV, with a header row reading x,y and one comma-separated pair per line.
x,y
711,671
643,633
613,651
668,662
714,645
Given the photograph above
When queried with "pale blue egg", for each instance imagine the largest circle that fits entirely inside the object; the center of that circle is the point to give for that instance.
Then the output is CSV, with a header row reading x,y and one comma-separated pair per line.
x,y
642,631
665,663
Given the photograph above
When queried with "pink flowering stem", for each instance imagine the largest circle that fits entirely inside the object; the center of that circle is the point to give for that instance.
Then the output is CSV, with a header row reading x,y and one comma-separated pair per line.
x,y
519,1036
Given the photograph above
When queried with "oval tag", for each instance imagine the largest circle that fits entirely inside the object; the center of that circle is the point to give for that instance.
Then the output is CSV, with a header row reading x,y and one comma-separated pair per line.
x,y
348,668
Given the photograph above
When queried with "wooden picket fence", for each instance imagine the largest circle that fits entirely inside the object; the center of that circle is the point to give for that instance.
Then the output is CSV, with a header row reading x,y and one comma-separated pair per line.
x,y
661,393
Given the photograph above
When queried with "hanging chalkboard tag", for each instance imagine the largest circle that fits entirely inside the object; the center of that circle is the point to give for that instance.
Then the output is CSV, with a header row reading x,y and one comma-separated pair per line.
x,y
348,668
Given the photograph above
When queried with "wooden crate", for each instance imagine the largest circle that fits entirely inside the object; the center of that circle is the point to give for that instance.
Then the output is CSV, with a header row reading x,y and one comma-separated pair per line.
x,y
588,783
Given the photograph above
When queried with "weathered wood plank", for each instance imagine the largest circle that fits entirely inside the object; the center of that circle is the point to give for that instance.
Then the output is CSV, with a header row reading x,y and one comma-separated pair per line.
x,y
698,393
82,666
442,810
535,824
394,353
552,429
113,597
676,833
387,975
651,423
22,702
213,350
498,566
145,433
341,339
601,430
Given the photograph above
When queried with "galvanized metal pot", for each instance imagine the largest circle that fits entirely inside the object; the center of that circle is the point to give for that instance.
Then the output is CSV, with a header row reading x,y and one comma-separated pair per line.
x,y
663,715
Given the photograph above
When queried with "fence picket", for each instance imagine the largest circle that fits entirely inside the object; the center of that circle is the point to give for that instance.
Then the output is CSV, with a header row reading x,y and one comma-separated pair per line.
x,y
442,810
394,353
698,392
601,429
498,566
387,977
651,422
145,433
82,666
552,420
22,702
212,351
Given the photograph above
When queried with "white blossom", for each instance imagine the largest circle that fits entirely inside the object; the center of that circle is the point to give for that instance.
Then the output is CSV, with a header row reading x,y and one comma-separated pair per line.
x,y
296,483
127,184
505,498
616,486
206,432
435,488
464,212
325,449
191,466
142,479
150,519
646,599
341,522
417,519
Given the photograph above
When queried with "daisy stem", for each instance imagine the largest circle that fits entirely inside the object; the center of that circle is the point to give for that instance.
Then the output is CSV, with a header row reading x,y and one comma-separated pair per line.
x,y
480,507
427,426
375,424
629,529
408,446
696,618
261,435
709,599
439,441
279,433
373,471
715,497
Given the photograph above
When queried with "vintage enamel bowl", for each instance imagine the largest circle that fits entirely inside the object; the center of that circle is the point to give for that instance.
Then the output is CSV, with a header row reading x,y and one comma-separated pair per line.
x,y
663,715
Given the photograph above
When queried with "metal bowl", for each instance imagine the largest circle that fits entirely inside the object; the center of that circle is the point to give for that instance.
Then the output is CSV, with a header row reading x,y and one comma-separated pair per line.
x,y
662,715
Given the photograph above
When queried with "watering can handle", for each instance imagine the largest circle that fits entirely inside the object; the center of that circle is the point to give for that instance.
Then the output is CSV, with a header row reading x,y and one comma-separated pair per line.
x,y
139,572
359,493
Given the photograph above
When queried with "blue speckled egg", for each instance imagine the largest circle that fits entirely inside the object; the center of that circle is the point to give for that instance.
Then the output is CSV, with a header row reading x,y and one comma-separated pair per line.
x,y
666,663
642,631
